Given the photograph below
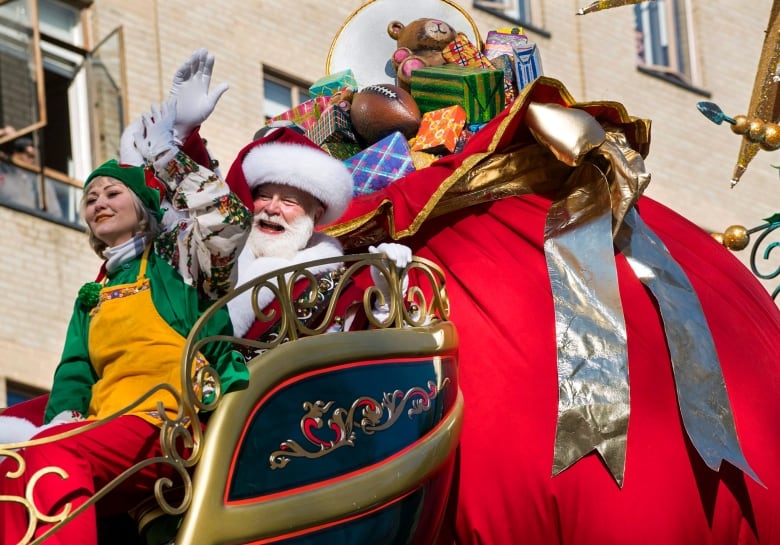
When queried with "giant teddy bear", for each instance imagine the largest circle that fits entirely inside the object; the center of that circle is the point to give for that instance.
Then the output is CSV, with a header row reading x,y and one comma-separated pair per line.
x,y
496,218
419,44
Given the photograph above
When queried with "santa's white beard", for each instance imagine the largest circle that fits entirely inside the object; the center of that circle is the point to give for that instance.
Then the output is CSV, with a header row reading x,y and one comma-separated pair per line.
x,y
284,244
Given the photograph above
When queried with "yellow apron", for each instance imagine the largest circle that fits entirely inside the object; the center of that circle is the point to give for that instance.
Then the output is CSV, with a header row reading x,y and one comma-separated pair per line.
x,y
132,349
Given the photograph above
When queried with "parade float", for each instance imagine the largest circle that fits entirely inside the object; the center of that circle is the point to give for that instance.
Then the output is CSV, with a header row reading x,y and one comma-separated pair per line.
x,y
572,363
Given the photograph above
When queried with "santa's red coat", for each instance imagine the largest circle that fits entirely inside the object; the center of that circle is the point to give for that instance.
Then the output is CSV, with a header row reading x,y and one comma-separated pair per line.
x,y
501,303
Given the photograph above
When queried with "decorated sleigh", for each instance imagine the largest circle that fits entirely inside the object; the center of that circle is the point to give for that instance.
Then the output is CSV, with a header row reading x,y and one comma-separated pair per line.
x,y
340,437
618,366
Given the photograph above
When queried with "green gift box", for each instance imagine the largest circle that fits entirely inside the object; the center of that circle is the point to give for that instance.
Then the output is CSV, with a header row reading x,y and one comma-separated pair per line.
x,y
479,91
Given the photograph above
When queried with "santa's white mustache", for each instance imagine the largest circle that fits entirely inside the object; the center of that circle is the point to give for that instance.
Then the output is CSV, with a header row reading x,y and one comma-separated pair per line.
x,y
276,221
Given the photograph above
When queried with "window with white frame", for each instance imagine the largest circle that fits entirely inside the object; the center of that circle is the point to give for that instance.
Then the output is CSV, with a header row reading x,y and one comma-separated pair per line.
x,y
64,98
281,92
520,11
664,39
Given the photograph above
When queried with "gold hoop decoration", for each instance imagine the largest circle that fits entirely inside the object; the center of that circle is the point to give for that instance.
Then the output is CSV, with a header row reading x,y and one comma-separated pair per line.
x,y
363,45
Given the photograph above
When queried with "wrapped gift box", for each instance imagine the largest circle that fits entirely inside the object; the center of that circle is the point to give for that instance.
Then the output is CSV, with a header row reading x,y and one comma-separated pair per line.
x,y
528,63
463,139
334,125
341,150
501,41
525,55
464,53
439,130
479,91
305,114
507,64
333,83
380,164
422,159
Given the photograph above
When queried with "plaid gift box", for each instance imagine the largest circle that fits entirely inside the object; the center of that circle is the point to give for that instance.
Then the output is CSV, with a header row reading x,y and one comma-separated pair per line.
x,y
334,125
330,84
305,114
464,53
479,91
380,164
341,150
439,130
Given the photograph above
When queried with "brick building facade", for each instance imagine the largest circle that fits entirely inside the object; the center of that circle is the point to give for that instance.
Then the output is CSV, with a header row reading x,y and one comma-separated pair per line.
x,y
45,261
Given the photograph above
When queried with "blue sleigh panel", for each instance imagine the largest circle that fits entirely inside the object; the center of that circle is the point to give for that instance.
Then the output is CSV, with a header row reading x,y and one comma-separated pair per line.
x,y
340,438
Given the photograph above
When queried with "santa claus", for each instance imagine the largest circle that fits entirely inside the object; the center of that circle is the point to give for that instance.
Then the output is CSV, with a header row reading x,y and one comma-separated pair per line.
x,y
293,187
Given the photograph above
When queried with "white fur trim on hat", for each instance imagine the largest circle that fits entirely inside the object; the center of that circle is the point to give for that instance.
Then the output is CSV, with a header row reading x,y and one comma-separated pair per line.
x,y
304,167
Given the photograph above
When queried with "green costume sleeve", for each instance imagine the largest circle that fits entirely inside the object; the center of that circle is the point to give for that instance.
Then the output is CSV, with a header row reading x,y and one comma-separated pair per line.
x,y
180,306
74,377
229,364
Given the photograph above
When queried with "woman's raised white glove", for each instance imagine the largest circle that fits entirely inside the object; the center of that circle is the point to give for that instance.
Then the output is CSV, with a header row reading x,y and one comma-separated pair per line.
x,y
154,139
128,153
190,88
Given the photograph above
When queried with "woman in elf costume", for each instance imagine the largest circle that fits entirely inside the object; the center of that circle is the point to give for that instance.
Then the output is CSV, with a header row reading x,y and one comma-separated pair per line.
x,y
128,331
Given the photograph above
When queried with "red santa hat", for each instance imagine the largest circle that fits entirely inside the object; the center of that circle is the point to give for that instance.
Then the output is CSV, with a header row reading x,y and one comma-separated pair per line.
x,y
284,156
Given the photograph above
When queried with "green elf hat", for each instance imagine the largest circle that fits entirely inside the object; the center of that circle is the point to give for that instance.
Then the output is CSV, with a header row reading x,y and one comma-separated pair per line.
x,y
142,182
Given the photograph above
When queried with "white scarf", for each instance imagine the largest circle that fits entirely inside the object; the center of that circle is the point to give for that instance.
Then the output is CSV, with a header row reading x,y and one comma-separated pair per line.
x,y
117,255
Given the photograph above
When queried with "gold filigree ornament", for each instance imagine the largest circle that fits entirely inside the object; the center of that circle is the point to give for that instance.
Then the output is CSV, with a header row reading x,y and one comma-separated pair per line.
x,y
175,433
374,416
422,301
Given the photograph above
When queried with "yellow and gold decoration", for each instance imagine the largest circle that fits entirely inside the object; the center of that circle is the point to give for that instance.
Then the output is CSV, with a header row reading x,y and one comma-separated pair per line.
x,y
606,4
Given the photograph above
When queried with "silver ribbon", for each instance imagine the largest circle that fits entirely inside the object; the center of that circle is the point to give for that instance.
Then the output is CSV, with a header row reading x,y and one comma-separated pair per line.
x,y
701,388
594,214
593,396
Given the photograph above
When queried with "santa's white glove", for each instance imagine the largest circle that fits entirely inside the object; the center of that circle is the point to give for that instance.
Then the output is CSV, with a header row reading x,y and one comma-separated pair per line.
x,y
190,89
401,256
154,139
128,153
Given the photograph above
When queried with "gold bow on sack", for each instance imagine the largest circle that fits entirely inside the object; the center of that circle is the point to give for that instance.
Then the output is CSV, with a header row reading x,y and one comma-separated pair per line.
x,y
593,393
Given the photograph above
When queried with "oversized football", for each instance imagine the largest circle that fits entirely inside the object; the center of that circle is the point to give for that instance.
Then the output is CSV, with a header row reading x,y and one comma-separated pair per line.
x,y
381,109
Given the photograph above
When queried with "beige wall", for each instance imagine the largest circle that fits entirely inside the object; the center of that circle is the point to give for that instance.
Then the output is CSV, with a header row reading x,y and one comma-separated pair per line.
x,y
691,159
43,265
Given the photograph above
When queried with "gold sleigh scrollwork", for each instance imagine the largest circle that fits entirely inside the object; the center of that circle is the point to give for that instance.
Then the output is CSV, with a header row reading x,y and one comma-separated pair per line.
x,y
374,416
175,434
181,435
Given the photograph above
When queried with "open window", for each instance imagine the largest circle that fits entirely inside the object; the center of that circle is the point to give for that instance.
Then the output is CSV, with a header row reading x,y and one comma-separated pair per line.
x,y
66,99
